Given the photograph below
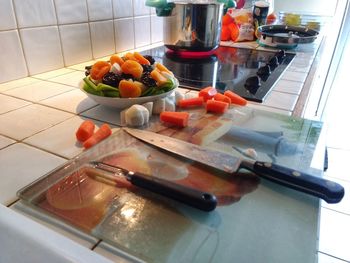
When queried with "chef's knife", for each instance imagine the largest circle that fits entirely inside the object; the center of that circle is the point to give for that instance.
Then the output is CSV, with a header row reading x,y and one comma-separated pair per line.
x,y
189,196
329,191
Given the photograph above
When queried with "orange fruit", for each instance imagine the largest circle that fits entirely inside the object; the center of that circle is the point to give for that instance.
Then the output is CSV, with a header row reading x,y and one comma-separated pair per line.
x,y
132,67
130,89
99,69
116,59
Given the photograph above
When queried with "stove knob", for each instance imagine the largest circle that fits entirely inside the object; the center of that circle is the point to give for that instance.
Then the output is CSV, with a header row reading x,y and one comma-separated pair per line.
x,y
273,63
252,84
263,71
280,56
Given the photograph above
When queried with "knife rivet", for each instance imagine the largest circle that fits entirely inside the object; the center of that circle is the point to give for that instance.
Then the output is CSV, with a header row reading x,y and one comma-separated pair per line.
x,y
267,164
295,173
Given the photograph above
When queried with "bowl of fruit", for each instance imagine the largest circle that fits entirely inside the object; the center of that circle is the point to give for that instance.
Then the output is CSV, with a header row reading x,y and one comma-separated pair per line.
x,y
127,80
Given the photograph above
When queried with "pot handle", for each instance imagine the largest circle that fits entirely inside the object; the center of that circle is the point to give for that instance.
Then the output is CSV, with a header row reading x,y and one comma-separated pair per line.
x,y
163,8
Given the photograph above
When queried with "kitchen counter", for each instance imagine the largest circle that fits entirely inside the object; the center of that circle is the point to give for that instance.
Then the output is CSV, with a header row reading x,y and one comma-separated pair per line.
x,y
39,116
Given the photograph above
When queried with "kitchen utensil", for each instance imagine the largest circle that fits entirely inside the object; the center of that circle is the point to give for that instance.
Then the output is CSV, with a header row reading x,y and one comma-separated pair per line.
x,y
193,26
330,191
195,198
284,36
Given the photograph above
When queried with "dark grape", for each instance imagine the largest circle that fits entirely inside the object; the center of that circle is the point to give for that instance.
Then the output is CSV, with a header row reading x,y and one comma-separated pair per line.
x,y
148,80
150,59
112,79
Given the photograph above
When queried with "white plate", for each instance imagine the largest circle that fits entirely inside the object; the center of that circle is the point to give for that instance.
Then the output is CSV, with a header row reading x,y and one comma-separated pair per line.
x,y
123,103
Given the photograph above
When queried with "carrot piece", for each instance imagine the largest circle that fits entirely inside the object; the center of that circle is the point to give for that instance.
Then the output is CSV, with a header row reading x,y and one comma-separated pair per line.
x,y
222,97
132,67
85,130
116,59
216,106
177,118
234,29
102,133
191,102
99,69
227,19
235,98
158,77
130,89
207,93
141,59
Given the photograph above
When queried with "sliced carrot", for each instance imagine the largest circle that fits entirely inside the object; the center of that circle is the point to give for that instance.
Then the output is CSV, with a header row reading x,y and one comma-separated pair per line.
x,y
222,97
141,59
235,98
85,130
216,106
130,89
207,93
176,118
132,67
102,133
99,69
161,67
234,29
116,59
158,77
191,102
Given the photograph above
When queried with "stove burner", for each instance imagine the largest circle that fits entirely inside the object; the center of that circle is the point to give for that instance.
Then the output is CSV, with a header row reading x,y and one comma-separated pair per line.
x,y
243,71
190,54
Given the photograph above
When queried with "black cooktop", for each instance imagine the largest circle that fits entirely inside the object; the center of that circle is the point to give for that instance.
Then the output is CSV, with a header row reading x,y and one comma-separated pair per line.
x,y
250,73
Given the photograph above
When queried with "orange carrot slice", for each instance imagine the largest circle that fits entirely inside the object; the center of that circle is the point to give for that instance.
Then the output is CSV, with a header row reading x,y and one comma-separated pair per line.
x,y
116,59
158,77
216,106
102,133
207,93
141,59
130,89
85,130
192,102
222,97
176,118
99,69
132,67
235,98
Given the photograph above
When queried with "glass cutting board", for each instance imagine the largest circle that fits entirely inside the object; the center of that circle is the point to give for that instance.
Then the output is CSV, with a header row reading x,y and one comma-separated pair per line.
x,y
156,229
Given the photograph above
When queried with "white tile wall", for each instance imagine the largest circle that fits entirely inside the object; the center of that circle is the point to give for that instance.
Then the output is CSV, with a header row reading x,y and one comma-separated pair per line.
x,y
12,63
44,35
142,31
122,8
69,11
124,34
35,13
102,38
7,15
76,45
42,49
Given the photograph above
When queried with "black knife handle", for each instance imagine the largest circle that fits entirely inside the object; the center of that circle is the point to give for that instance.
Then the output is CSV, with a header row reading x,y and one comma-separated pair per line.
x,y
329,191
189,196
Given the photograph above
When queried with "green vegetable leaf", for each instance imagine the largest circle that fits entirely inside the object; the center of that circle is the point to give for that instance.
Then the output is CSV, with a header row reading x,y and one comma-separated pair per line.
x,y
91,88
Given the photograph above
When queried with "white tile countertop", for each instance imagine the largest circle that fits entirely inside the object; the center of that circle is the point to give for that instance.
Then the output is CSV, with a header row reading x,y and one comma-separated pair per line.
x,y
39,117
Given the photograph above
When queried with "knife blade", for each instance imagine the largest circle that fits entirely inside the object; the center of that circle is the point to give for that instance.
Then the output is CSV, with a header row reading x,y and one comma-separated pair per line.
x,y
189,196
327,190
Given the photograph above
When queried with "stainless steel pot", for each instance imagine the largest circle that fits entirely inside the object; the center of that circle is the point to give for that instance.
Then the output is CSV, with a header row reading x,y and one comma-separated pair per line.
x,y
193,26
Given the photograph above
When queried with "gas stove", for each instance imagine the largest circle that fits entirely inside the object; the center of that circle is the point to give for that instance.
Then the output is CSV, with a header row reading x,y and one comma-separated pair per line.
x,y
250,73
